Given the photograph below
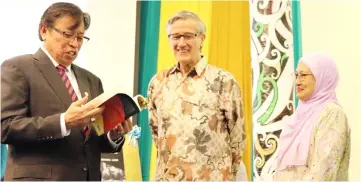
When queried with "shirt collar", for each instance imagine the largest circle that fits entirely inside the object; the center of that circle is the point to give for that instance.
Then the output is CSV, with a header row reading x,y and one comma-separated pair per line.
x,y
52,59
198,68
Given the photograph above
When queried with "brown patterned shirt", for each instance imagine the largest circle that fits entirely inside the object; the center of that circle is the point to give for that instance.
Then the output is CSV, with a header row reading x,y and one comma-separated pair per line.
x,y
197,123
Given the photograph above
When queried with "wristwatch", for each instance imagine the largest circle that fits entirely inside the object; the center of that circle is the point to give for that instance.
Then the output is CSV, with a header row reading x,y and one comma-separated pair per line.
x,y
119,140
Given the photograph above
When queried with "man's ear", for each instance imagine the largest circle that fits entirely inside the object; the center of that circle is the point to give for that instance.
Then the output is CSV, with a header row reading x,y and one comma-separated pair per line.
x,y
42,32
203,37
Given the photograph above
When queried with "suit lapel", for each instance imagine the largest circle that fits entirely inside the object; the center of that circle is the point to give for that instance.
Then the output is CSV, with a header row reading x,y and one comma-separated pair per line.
x,y
82,80
84,86
50,73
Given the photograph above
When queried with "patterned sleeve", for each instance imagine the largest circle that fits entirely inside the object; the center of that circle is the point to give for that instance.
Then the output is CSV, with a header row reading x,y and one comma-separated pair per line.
x,y
153,123
331,146
234,115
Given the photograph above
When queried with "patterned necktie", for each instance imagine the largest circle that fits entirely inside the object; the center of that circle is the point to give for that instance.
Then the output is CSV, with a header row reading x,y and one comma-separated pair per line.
x,y
61,70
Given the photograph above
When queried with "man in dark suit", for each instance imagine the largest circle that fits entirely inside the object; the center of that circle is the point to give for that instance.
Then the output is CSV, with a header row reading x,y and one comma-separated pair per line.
x,y
44,116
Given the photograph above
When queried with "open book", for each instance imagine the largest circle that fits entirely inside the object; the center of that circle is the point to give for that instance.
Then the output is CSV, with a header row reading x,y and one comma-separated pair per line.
x,y
118,108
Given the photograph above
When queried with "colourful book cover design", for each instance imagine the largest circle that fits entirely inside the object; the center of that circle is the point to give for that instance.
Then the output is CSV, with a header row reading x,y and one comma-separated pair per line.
x,y
118,108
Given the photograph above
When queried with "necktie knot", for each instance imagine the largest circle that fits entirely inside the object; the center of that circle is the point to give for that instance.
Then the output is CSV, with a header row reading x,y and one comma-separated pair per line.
x,y
61,68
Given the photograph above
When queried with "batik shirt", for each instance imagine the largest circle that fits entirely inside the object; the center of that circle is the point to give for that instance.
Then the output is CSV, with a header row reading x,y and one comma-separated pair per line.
x,y
197,123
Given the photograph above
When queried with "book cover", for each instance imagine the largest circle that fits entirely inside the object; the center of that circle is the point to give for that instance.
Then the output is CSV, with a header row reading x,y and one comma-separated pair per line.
x,y
118,108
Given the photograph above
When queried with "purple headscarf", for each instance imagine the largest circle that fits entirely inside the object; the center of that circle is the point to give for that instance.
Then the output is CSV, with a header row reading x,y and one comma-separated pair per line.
x,y
296,135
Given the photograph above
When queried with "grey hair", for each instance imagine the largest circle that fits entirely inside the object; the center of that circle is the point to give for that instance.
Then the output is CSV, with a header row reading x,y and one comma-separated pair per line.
x,y
185,15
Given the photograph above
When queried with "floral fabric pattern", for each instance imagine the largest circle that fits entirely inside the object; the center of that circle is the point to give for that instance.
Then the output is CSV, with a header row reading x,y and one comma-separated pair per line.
x,y
197,124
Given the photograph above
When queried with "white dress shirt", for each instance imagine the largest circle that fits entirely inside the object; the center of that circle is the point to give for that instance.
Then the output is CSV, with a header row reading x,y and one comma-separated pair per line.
x,y
71,76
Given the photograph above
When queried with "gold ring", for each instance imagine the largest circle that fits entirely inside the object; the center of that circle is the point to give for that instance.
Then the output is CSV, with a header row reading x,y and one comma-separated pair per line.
x,y
92,119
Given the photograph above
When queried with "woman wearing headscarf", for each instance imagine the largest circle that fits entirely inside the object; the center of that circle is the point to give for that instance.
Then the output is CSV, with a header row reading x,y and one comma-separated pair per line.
x,y
315,142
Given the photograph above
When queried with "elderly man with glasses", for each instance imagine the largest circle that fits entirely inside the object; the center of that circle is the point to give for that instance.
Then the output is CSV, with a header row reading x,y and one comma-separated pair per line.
x,y
196,111
44,116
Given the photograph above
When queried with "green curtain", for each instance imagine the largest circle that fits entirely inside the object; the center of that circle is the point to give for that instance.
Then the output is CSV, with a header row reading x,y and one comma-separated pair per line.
x,y
148,57
297,32
4,156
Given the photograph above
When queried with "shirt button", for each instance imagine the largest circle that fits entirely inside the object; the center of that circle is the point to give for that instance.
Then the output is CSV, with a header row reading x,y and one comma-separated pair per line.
x,y
85,169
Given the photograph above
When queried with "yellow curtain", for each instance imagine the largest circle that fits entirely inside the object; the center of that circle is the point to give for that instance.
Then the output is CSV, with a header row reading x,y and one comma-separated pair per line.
x,y
132,170
230,50
227,45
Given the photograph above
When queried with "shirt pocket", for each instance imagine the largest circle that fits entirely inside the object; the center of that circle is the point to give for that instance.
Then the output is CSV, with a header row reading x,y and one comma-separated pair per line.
x,y
203,103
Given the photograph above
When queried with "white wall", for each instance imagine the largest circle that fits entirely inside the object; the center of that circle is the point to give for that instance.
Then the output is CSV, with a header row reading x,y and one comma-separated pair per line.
x,y
111,49
109,53
334,27
19,26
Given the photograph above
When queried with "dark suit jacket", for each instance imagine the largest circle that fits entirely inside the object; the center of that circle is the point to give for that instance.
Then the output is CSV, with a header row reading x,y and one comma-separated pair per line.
x,y
32,98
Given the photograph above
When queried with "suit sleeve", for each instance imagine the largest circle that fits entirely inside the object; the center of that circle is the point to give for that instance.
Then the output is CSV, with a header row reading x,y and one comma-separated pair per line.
x,y
16,124
105,144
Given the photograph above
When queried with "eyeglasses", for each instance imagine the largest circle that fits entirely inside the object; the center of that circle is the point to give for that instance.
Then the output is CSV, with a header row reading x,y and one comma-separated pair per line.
x,y
186,36
70,36
301,76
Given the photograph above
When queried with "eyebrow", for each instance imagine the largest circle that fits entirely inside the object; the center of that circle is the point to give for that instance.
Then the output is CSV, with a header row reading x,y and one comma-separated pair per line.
x,y
182,33
74,26
301,72
78,33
